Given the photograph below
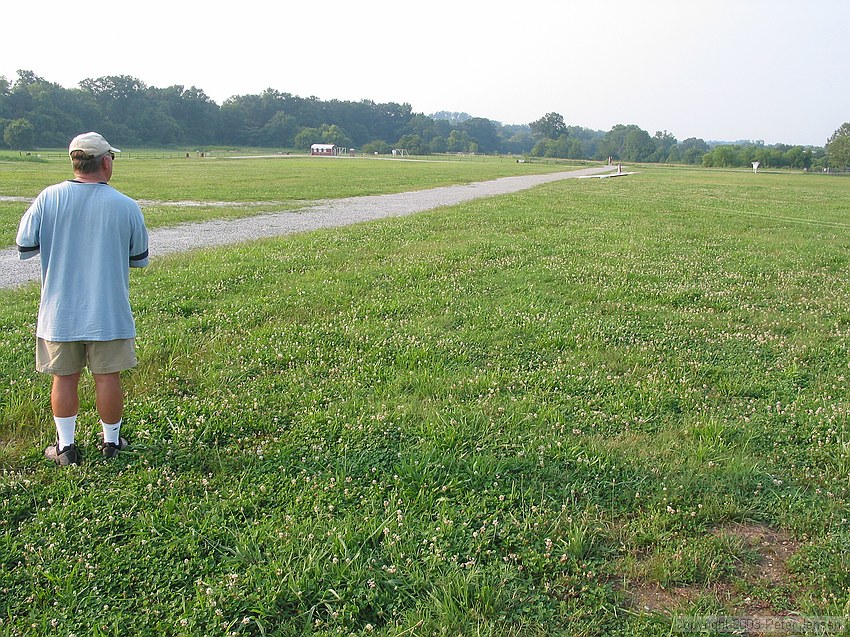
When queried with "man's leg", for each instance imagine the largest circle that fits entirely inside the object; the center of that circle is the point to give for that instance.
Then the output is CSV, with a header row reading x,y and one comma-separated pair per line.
x,y
110,407
109,397
65,401
64,397
110,355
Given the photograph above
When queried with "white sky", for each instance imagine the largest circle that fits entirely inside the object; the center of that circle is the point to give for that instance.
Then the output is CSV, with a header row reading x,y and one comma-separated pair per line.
x,y
775,70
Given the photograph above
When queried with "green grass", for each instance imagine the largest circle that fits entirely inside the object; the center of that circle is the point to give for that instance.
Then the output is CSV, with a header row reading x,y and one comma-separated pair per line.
x,y
249,186
515,416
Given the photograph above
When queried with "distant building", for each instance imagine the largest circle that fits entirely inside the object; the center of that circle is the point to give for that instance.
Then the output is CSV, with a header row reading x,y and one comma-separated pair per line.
x,y
324,150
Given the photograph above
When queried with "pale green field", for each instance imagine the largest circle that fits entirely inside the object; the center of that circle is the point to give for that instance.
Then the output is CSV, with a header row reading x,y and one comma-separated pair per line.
x,y
584,409
268,184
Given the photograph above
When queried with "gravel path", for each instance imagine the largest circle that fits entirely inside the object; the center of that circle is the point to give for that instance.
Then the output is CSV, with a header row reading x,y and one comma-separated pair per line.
x,y
324,214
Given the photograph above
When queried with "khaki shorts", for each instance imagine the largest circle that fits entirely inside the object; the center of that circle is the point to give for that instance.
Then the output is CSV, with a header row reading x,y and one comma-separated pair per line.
x,y
101,357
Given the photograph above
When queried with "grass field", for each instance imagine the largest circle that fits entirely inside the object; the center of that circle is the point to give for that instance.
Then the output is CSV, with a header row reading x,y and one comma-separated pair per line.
x,y
217,187
592,408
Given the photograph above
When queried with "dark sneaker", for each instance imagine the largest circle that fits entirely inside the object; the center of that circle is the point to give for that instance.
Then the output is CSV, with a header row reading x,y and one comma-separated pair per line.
x,y
110,449
63,458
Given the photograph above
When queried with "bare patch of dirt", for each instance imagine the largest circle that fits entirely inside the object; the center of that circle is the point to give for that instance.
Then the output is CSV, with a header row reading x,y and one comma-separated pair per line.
x,y
651,597
745,600
775,547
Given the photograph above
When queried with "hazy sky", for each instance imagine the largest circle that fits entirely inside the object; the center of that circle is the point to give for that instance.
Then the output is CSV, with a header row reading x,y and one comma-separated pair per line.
x,y
775,70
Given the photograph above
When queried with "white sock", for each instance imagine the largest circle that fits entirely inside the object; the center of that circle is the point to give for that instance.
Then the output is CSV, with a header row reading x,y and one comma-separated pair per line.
x,y
65,429
111,433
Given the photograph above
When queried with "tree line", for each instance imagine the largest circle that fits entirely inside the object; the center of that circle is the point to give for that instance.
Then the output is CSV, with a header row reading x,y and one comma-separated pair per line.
x,y
36,113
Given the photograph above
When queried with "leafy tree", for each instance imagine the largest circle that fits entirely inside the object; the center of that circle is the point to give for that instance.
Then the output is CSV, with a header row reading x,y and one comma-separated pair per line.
x,y
393,119
799,157
575,149
412,144
52,110
552,147
638,145
116,87
674,156
19,134
306,137
541,148
692,149
550,126
482,132
744,154
453,118
693,156
191,110
516,139
438,144
125,109
838,147
231,129
458,142
819,158
590,141
376,146
280,131
28,78
721,157
574,143
242,119
627,143
664,143
125,106
423,126
160,127
333,134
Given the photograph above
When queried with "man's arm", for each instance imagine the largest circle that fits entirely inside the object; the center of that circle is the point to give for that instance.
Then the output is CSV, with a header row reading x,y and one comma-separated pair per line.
x,y
139,242
28,239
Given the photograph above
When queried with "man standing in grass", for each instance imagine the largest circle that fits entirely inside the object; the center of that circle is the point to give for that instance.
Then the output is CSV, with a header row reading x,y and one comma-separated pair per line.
x,y
88,235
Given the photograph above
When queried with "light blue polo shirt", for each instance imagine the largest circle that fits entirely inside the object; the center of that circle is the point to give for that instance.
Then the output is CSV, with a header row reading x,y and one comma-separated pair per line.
x,y
89,235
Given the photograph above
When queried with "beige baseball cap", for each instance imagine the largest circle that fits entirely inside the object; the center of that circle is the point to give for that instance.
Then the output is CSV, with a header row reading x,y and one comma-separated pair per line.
x,y
91,144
